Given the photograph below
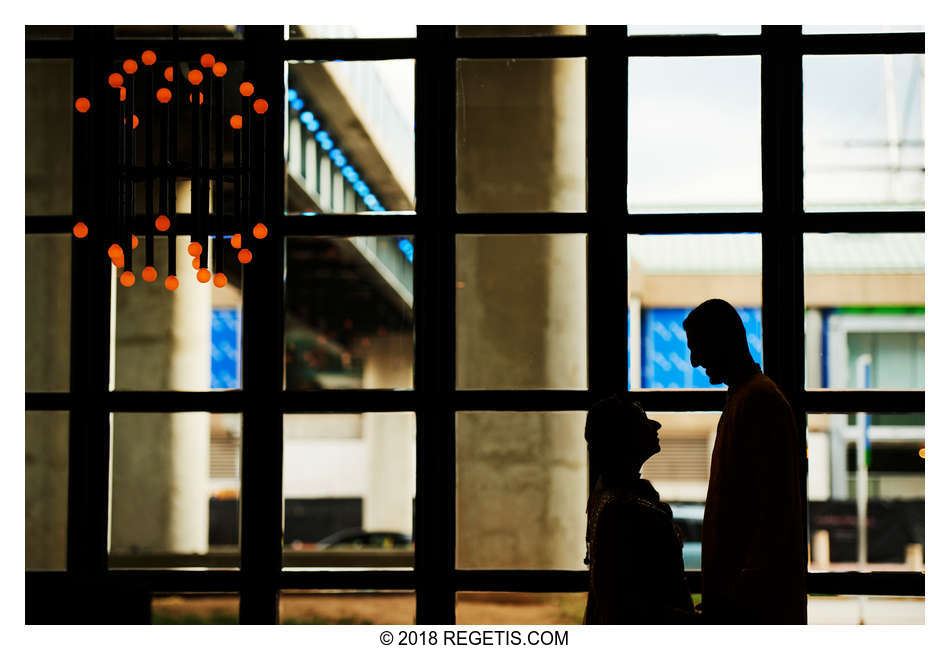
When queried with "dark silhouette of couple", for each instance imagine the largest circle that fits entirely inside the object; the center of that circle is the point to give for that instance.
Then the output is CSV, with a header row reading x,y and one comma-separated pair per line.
x,y
753,545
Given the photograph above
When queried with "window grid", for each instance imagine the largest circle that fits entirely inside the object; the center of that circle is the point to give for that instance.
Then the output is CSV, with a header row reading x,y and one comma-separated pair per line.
x,y
435,400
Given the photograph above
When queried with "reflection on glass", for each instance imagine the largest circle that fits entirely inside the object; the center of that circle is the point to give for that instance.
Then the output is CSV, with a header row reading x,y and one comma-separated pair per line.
x,y
521,311
47,476
349,313
187,339
722,30
175,490
863,130
515,608
669,275
865,610
298,607
521,490
694,134
47,296
864,294
195,609
521,135
350,136
349,483
49,135
894,487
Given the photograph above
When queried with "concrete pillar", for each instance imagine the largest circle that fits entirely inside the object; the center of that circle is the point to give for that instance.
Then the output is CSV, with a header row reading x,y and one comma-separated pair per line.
x,y
160,460
389,437
48,162
521,314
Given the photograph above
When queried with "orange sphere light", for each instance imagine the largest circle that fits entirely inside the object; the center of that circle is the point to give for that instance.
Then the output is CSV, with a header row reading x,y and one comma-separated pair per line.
x,y
171,283
244,256
219,69
118,262
162,223
207,60
164,95
260,231
196,263
201,97
236,121
135,121
80,230
115,251
127,279
246,88
236,240
135,242
260,106
115,80
121,93
220,280
130,66
195,248
82,104
169,77
195,77
203,275
149,274
149,57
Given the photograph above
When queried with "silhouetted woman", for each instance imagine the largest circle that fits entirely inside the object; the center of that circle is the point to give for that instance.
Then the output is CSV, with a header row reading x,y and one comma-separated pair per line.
x,y
633,548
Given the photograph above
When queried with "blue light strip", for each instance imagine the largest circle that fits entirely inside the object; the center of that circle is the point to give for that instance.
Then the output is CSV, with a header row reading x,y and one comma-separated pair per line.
x,y
310,121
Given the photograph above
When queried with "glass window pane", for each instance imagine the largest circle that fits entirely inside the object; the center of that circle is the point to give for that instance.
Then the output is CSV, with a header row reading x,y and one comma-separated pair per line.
x,y
894,487
47,293
365,30
864,295
47,479
521,316
350,126
299,607
669,275
521,135
521,490
49,132
513,608
349,487
859,29
722,30
465,31
186,339
680,473
865,610
349,313
195,609
694,134
175,488
863,130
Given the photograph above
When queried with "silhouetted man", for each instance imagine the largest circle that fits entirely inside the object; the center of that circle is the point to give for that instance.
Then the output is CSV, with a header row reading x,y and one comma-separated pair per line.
x,y
753,541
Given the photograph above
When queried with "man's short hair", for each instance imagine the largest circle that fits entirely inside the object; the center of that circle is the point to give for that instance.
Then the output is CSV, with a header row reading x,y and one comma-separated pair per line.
x,y
717,320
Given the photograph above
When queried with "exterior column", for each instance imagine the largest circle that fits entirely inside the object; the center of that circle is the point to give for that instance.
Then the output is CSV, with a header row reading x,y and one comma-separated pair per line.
x,y
521,314
160,461
390,438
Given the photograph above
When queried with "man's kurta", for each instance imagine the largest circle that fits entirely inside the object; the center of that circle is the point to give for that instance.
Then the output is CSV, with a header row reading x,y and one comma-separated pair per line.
x,y
753,538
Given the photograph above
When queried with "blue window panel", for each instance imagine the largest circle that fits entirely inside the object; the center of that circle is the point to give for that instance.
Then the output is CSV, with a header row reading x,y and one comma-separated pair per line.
x,y
225,348
665,355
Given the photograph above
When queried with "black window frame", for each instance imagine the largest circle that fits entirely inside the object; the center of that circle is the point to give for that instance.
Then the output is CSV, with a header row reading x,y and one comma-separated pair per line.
x,y
434,227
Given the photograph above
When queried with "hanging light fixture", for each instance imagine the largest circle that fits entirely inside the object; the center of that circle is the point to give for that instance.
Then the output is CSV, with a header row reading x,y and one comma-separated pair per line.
x,y
172,97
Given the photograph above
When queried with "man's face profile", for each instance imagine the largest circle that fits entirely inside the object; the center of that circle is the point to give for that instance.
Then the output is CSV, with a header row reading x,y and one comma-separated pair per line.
x,y
703,352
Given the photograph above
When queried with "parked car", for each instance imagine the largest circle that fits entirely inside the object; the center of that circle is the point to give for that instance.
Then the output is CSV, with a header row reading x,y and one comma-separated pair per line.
x,y
357,538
